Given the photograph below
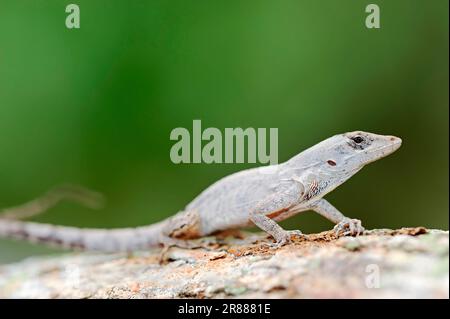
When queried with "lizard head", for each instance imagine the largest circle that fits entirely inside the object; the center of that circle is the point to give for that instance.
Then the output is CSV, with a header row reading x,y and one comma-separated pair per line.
x,y
364,148
334,160
349,152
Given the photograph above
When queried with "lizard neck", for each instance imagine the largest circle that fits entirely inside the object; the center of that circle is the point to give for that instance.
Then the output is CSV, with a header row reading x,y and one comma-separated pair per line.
x,y
310,170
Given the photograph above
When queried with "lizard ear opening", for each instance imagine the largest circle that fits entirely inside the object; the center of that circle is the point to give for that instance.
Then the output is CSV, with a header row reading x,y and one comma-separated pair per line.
x,y
331,163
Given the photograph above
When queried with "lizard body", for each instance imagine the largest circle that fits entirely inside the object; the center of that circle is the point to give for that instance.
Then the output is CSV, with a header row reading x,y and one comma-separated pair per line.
x,y
258,196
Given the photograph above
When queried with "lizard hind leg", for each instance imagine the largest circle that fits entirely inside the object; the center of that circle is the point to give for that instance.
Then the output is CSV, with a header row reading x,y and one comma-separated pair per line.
x,y
178,231
184,225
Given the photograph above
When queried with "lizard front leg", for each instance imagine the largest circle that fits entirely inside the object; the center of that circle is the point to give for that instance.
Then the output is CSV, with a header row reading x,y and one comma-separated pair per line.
x,y
344,225
272,207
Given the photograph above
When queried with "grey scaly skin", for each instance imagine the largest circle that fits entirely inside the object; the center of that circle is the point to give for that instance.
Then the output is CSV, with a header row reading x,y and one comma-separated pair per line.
x,y
259,196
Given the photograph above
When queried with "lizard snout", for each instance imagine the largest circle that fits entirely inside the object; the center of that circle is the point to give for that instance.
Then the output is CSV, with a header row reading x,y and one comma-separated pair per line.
x,y
395,141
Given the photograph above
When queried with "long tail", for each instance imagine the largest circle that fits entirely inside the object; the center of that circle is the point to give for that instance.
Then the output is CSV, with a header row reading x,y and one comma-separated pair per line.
x,y
41,204
110,240
107,240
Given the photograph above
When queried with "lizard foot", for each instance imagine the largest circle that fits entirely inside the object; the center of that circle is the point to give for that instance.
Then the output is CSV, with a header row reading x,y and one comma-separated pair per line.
x,y
349,227
286,238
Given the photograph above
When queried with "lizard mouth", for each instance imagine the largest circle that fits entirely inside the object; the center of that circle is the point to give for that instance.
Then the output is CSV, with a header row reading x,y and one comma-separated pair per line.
x,y
393,144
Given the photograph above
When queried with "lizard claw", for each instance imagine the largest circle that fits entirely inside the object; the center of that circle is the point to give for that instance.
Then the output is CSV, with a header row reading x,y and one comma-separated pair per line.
x,y
349,227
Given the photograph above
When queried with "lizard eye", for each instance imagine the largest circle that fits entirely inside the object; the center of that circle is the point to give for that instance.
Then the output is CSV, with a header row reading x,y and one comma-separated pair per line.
x,y
331,163
357,139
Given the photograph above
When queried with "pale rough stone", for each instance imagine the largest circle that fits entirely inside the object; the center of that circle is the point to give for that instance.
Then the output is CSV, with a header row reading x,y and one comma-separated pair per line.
x,y
412,263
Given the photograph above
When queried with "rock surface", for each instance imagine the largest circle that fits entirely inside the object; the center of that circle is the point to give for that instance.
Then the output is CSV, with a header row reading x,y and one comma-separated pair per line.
x,y
383,263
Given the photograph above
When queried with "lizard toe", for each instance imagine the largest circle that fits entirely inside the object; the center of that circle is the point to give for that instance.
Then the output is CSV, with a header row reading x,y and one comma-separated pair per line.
x,y
349,227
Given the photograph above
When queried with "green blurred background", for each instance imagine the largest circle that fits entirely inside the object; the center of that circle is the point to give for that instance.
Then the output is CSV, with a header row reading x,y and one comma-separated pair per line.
x,y
95,106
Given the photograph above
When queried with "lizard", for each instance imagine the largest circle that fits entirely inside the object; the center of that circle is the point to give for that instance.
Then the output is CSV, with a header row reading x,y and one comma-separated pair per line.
x,y
260,196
